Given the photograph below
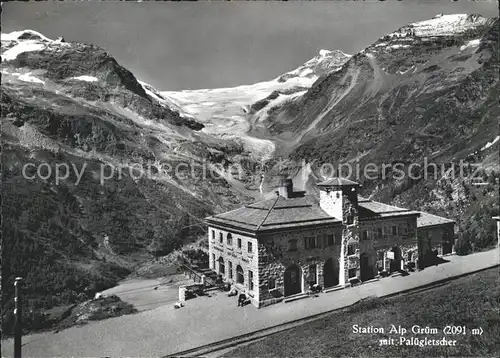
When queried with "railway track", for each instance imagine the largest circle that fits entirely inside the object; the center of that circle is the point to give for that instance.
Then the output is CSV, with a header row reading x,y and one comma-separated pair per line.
x,y
236,341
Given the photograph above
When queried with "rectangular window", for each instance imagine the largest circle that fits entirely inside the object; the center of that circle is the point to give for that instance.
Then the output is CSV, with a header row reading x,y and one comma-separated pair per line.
x,y
331,240
394,230
250,248
320,241
250,280
292,245
365,235
350,250
380,233
213,261
230,269
312,275
271,284
221,238
352,273
222,268
310,242
239,243
213,234
229,239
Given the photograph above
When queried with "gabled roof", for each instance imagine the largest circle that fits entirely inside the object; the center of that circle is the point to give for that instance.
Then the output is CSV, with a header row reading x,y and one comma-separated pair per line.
x,y
369,209
276,213
338,182
288,213
426,220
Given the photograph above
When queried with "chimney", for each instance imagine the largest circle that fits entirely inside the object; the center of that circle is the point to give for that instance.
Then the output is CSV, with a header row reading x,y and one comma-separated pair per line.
x,y
286,188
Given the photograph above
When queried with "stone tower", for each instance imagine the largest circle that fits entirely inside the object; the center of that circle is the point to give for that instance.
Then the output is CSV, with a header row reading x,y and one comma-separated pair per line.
x,y
339,198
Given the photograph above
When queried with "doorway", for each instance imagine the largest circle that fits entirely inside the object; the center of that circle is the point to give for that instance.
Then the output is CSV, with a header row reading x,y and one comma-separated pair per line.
x,y
293,281
365,267
330,274
396,260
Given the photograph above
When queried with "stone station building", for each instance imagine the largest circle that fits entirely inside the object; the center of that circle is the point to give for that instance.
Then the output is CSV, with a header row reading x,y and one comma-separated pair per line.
x,y
276,249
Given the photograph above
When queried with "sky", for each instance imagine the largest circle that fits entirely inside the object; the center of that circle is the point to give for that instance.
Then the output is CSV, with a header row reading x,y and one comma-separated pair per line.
x,y
191,45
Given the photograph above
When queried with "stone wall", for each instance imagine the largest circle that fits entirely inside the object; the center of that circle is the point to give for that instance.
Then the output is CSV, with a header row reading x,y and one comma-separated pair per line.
x,y
438,238
371,240
376,244
231,253
276,254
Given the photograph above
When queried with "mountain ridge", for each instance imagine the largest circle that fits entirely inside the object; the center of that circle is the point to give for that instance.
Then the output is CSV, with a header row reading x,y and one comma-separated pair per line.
x,y
132,184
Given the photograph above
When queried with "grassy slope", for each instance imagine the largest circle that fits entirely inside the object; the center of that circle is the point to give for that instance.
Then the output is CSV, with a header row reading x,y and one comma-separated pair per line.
x,y
472,301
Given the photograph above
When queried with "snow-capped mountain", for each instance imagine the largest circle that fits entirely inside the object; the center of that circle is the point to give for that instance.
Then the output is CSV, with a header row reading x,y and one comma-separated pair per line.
x,y
231,112
442,25
450,62
325,62
427,92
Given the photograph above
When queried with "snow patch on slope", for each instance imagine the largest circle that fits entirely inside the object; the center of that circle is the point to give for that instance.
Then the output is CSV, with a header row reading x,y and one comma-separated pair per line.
x,y
325,61
14,35
397,46
27,77
471,43
489,144
31,41
441,25
25,46
86,78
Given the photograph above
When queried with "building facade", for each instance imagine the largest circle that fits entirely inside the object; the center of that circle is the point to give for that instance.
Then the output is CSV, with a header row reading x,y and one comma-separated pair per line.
x,y
436,235
278,248
497,218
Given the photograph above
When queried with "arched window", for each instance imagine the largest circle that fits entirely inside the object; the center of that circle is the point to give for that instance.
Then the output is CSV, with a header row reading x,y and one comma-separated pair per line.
x,y
240,278
229,239
221,266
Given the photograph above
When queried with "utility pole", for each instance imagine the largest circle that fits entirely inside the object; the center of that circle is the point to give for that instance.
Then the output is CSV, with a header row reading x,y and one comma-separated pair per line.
x,y
18,316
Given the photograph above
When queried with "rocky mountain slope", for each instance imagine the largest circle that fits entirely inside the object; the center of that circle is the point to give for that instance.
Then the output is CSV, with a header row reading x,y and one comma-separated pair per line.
x,y
407,79
425,94
69,109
